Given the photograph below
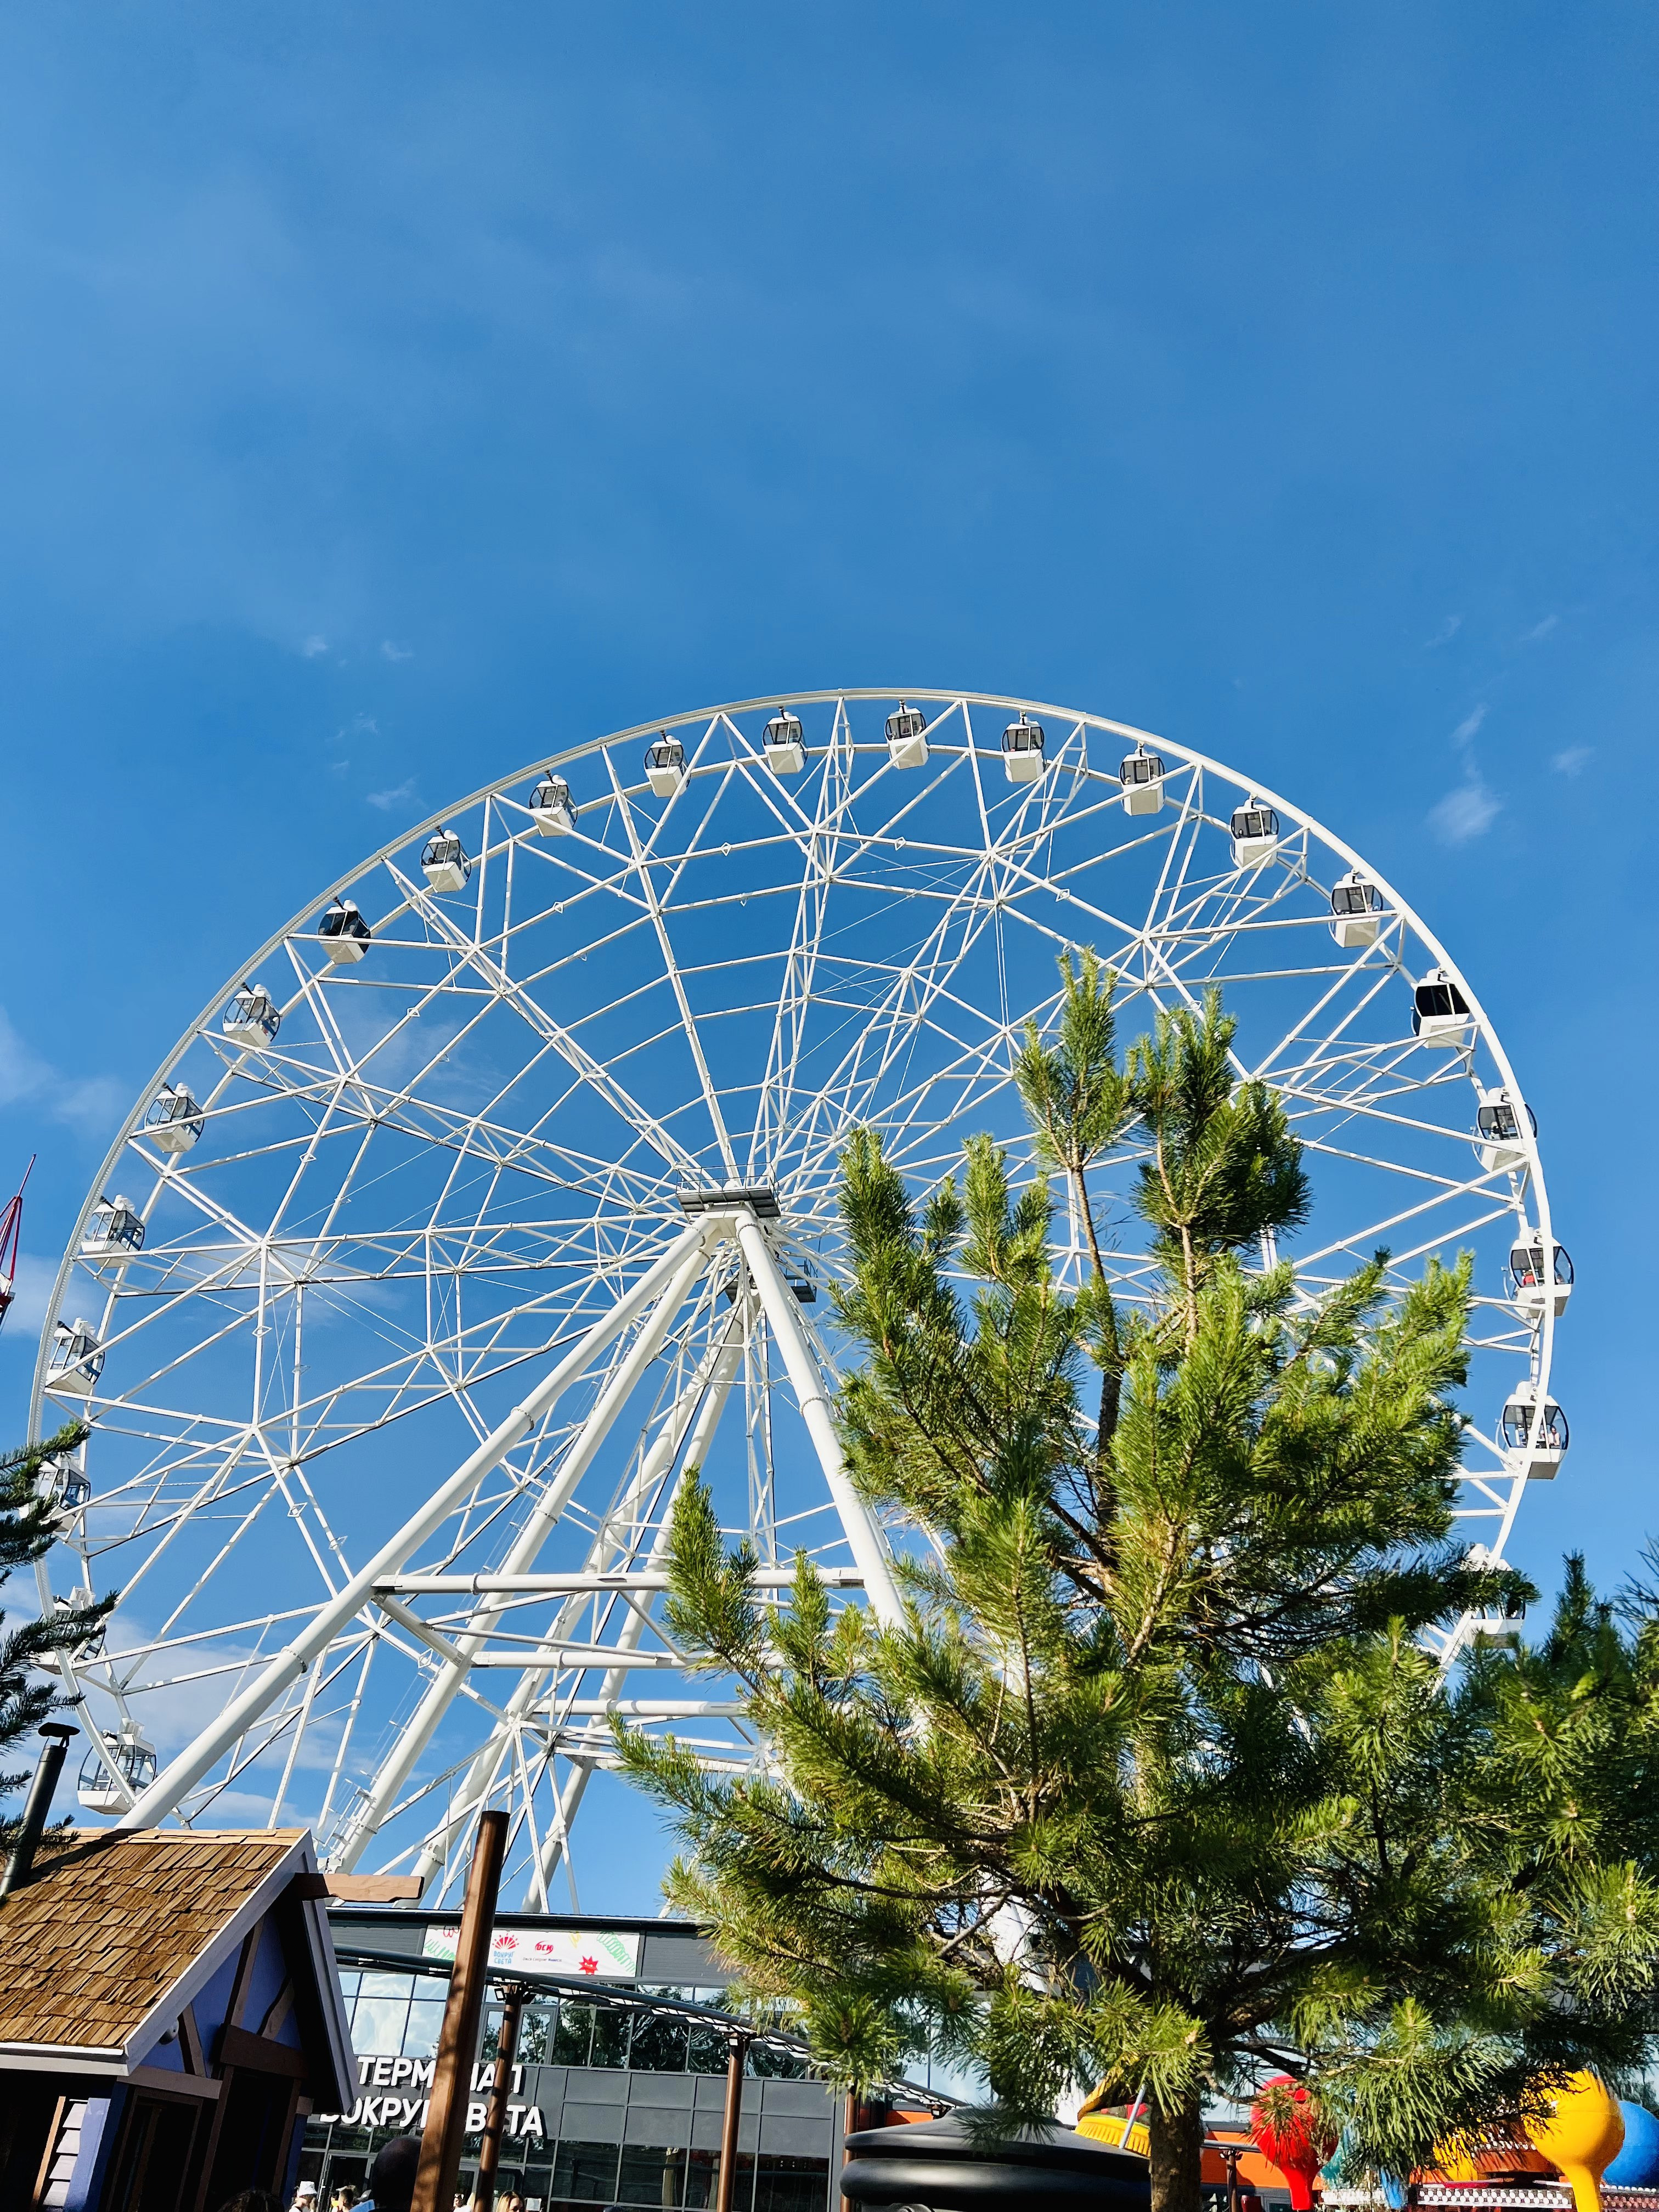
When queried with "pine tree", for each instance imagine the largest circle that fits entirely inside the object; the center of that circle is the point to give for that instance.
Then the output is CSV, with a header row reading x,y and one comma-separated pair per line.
x,y
27,1530
1157,1784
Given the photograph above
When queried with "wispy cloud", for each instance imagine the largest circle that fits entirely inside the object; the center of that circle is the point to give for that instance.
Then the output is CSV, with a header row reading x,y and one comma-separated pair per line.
x,y
387,800
1470,808
1541,629
1574,761
312,646
393,651
360,726
1447,631
90,1104
1464,813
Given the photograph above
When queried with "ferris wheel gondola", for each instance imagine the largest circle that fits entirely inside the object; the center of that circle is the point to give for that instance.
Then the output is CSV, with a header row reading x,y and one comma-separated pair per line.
x,y
453,1260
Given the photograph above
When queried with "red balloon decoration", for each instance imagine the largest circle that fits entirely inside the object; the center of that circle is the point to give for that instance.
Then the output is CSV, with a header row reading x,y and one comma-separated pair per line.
x,y
1290,2134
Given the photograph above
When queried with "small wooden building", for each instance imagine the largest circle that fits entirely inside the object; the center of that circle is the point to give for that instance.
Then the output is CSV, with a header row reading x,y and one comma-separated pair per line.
x,y
169,2014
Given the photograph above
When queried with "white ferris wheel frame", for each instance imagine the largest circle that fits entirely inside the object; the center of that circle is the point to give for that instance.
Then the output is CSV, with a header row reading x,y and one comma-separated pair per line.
x,y
461,1647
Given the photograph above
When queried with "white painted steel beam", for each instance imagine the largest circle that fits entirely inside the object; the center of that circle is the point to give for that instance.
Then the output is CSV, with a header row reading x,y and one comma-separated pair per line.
x,y
783,1313
182,1773
696,1452
625,1580
486,1764
539,1522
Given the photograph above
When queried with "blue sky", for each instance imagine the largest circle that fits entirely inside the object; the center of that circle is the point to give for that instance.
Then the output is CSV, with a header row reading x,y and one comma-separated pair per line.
x,y
389,393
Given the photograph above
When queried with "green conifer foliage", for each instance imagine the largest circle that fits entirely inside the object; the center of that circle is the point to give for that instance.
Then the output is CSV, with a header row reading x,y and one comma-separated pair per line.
x,y
27,1694
1156,1783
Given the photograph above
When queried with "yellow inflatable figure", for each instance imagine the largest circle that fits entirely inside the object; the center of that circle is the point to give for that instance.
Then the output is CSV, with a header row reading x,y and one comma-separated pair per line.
x,y
1582,2137
1106,2127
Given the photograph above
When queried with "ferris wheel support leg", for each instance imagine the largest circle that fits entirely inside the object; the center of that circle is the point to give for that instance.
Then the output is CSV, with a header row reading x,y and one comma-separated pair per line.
x,y
807,1379
557,1841
184,1772
707,1389
539,1524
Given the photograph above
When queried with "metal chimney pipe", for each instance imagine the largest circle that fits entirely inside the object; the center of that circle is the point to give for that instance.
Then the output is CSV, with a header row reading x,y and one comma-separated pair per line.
x,y
22,1860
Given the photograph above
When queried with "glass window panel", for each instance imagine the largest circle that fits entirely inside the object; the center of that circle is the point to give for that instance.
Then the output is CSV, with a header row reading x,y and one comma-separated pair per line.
x,y
573,2034
388,1985
651,2176
611,2033
781,2065
536,2032
377,2025
709,2050
426,2018
791,2184
659,2045
586,2172
348,1985
701,2173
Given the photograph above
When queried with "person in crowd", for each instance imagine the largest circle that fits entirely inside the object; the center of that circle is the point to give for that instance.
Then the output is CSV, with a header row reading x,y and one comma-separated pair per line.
x,y
252,2200
305,2198
391,2177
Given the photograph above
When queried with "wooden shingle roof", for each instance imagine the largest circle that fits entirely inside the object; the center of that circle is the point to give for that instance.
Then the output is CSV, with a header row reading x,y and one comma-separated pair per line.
x,y
110,1923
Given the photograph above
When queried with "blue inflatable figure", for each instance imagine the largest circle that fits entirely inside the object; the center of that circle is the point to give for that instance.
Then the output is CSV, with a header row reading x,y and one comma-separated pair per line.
x,y
1637,2165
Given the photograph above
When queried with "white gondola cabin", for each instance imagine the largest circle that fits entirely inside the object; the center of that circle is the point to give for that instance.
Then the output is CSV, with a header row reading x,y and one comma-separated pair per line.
x,y
1498,1126
445,863
907,737
1255,832
786,743
1022,750
79,1600
251,1018
665,766
552,809
133,1759
174,1120
345,935
1357,912
1141,775
62,1485
1440,1012
113,1234
1538,1278
1534,1435
75,1360
1498,1623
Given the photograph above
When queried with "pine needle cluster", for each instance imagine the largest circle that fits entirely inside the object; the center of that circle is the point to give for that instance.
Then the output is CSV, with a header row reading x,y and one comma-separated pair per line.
x,y
1156,1784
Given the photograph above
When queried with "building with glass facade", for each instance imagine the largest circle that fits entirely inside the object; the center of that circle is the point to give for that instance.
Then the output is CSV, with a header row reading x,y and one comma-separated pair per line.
x,y
608,2107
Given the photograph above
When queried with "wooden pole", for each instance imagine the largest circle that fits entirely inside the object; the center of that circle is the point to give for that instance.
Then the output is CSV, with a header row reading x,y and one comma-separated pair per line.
x,y
737,2052
451,2074
507,2051
848,2127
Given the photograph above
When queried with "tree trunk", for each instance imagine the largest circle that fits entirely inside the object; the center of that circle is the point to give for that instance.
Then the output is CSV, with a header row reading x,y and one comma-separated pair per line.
x,y
1176,2146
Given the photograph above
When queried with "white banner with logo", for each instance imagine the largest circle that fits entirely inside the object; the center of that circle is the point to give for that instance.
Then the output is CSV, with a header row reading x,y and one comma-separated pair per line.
x,y
603,1953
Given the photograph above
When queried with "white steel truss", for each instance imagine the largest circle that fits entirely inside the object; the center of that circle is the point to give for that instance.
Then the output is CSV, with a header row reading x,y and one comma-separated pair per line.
x,y
497,1230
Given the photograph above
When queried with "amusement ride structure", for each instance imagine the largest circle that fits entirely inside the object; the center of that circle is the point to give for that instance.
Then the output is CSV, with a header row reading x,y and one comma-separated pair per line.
x,y
498,1189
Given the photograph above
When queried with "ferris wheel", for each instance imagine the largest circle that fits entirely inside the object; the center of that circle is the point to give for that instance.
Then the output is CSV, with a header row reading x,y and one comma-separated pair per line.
x,y
498,1189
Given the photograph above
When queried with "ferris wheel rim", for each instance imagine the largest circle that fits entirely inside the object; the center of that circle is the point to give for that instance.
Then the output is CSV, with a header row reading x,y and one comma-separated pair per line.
x,y
1190,756
494,791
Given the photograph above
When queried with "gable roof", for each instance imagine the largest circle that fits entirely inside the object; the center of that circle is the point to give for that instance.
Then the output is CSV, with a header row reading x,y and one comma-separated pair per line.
x,y
116,1932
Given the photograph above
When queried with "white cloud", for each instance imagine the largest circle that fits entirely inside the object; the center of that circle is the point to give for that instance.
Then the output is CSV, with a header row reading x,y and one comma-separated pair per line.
x,y
1541,629
1447,631
387,800
393,651
1467,731
90,1104
360,726
1573,760
1464,813
312,646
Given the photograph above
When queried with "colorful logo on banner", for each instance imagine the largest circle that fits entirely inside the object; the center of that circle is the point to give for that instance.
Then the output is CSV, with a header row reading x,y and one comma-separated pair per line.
x,y
572,1951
